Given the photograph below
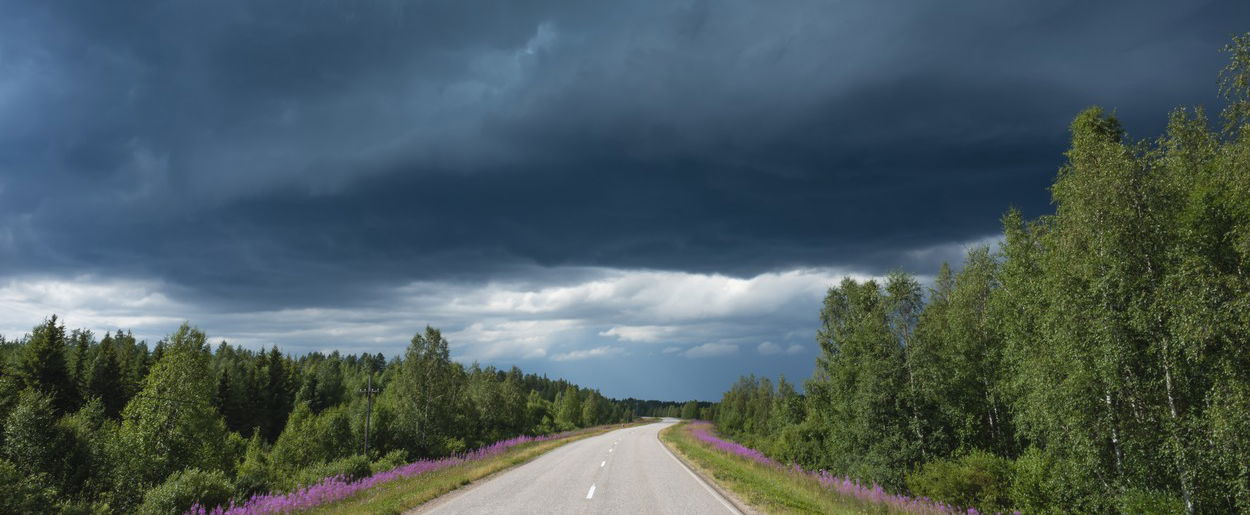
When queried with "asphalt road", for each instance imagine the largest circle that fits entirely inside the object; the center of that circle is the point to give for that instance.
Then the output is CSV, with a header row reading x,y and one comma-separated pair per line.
x,y
626,471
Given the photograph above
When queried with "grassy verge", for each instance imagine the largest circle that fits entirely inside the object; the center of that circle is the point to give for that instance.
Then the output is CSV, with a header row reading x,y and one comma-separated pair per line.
x,y
766,488
404,494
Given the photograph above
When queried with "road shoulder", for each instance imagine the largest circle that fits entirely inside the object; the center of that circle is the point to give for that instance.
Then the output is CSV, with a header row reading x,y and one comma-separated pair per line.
x,y
702,474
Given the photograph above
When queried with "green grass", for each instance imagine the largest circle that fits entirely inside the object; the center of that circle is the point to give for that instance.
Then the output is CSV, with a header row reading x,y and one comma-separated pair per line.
x,y
405,494
764,488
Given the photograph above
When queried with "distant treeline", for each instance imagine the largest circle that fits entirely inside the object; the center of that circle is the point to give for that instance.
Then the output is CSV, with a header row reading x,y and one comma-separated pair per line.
x,y
1098,361
108,425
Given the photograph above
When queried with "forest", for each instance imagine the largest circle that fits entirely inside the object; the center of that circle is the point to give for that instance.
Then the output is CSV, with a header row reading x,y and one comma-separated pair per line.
x,y
108,426
1094,361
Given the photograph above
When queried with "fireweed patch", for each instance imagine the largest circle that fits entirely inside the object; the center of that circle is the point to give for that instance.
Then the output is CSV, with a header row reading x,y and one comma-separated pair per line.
x,y
337,488
845,486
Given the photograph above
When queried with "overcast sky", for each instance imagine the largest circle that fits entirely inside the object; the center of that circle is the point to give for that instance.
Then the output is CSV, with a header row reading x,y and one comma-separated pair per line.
x,y
648,197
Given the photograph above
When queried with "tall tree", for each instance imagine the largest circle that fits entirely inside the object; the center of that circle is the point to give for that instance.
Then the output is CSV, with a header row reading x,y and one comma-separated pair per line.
x,y
81,341
275,396
42,366
904,302
569,408
857,389
171,423
104,379
424,394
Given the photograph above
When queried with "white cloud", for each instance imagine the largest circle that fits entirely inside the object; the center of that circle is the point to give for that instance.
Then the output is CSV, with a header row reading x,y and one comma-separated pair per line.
x,y
770,348
709,350
522,319
498,322
657,295
640,333
596,352
510,338
87,302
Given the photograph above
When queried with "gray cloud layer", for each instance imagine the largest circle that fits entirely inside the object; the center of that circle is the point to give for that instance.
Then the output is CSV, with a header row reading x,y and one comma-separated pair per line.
x,y
255,155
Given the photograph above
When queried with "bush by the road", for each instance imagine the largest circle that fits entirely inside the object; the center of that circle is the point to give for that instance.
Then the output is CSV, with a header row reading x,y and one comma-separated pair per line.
x,y
350,469
184,489
977,479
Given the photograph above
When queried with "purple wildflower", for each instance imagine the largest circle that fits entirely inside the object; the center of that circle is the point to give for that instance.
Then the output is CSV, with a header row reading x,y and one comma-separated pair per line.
x,y
842,485
336,488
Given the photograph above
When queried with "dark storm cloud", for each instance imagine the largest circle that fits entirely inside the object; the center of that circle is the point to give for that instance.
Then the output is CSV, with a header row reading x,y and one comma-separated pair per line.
x,y
306,153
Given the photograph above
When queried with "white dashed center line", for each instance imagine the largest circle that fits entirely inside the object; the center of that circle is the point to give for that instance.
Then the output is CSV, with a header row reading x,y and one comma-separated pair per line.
x,y
591,493
605,462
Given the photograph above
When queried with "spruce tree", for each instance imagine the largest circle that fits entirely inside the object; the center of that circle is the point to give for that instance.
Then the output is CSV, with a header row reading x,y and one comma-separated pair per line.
x,y
104,380
42,367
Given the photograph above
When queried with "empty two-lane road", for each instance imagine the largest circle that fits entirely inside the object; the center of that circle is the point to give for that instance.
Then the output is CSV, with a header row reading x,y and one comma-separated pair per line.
x,y
625,471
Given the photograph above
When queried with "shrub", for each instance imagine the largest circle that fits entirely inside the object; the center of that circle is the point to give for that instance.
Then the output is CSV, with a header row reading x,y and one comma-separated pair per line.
x,y
23,493
255,474
799,443
1044,483
350,469
33,442
1149,502
978,479
185,488
310,439
392,459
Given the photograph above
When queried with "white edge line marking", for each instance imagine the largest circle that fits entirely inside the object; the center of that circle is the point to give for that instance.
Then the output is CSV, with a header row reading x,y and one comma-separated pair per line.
x,y
591,493
696,477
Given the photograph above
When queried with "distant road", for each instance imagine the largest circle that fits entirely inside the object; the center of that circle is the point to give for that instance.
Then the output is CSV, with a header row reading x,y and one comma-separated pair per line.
x,y
627,471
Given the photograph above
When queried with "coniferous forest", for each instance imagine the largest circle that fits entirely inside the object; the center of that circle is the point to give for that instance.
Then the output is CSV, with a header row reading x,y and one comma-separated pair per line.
x,y
93,425
1096,360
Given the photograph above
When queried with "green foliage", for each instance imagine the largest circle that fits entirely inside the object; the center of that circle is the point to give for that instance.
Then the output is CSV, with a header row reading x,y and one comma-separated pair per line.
x,y
42,367
539,414
801,442
184,489
32,439
255,474
1235,84
1100,349
274,395
310,439
860,391
145,416
426,394
978,479
25,493
391,460
593,410
87,464
690,410
104,380
351,468
569,409
1149,502
171,423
